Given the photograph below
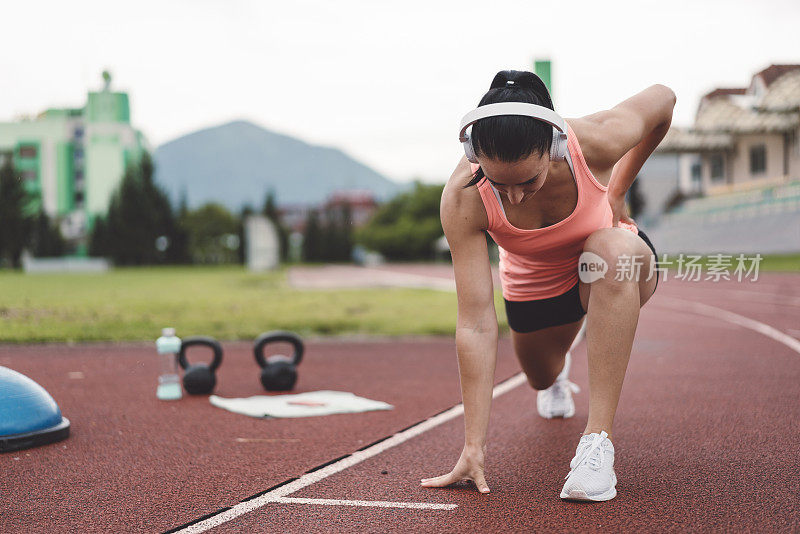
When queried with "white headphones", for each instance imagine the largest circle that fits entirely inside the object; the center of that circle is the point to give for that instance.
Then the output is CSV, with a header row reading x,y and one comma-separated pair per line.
x,y
558,150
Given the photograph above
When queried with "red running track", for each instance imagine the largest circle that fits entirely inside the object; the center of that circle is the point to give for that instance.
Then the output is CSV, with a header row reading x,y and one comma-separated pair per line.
x,y
706,435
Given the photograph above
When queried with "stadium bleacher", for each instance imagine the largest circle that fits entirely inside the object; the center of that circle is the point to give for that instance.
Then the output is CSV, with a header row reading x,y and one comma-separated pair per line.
x,y
764,220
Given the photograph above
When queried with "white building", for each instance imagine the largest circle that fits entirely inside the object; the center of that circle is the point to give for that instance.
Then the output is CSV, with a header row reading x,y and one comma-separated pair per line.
x,y
742,138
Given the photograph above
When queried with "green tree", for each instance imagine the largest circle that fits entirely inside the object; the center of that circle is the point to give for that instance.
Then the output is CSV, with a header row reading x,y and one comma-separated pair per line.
x,y
16,222
163,221
46,239
130,239
406,227
246,212
338,233
211,231
138,214
312,238
270,211
99,239
347,238
178,252
329,232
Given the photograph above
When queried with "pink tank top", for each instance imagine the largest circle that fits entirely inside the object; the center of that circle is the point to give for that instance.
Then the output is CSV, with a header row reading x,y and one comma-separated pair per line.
x,y
543,262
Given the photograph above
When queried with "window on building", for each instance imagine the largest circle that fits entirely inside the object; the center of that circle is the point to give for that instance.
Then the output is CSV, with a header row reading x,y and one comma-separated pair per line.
x,y
758,159
78,152
78,132
717,167
696,176
29,175
27,151
78,199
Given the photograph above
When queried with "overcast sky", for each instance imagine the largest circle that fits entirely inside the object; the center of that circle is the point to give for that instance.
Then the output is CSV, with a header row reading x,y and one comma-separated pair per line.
x,y
387,82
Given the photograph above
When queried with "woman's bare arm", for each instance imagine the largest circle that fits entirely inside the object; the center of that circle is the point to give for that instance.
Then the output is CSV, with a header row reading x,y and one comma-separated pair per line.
x,y
476,325
463,222
626,135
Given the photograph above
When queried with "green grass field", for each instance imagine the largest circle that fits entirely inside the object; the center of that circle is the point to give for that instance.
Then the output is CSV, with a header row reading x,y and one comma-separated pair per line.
x,y
768,263
133,304
223,302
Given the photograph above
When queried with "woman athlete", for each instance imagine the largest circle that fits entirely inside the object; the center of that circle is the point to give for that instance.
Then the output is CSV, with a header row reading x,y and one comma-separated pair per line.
x,y
546,205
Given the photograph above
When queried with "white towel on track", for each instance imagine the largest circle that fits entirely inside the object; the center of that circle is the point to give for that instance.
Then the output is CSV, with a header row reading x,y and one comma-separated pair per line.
x,y
310,404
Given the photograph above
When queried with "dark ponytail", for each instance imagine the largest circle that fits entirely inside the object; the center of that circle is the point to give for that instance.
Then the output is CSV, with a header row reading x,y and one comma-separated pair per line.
x,y
510,138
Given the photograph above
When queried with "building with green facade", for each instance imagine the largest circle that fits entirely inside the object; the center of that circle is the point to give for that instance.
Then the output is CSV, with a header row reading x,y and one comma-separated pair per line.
x,y
71,160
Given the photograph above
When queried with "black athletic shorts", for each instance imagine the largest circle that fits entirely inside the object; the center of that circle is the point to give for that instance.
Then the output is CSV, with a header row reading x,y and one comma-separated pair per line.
x,y
530,315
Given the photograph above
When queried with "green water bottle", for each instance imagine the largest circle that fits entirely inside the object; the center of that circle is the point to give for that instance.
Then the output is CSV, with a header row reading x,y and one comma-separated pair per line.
x,y
168,347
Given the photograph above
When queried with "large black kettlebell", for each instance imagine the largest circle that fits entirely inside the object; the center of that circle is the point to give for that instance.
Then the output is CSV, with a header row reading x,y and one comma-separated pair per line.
x,y
278,372
199,379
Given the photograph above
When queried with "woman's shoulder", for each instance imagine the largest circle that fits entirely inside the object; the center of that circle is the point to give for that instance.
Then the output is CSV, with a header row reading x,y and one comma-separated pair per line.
x,y
595,152
462,204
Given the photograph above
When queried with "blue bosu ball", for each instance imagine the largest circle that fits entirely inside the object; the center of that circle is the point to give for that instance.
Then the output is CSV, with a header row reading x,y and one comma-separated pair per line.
x,y
28,414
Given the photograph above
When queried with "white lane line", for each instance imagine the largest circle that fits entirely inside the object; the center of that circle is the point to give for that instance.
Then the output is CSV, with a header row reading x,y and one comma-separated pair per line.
x,y
777,299
357,457
280,493
735,318
377,504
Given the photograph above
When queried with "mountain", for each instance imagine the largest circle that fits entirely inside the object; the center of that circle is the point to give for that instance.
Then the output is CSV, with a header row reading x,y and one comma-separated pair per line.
x,y
239,162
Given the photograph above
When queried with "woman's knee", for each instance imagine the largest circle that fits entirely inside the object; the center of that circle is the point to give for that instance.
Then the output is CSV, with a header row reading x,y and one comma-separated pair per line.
x,y
541,352
542,380
611,243
541,365
619,250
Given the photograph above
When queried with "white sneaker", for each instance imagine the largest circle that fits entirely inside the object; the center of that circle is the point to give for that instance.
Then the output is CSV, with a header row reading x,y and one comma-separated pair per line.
x,y
591,476
556,401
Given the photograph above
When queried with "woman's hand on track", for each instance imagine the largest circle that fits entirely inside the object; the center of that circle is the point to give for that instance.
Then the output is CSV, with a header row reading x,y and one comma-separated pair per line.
x,y
469,467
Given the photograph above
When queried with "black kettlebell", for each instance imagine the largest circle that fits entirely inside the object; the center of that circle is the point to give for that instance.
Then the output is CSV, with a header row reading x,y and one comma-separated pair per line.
x,y
199,379
278,372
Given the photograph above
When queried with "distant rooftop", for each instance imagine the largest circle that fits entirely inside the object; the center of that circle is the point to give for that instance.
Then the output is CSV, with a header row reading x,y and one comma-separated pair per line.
x,y
771,103
773,72
724,92
678,140
728,115
783,93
